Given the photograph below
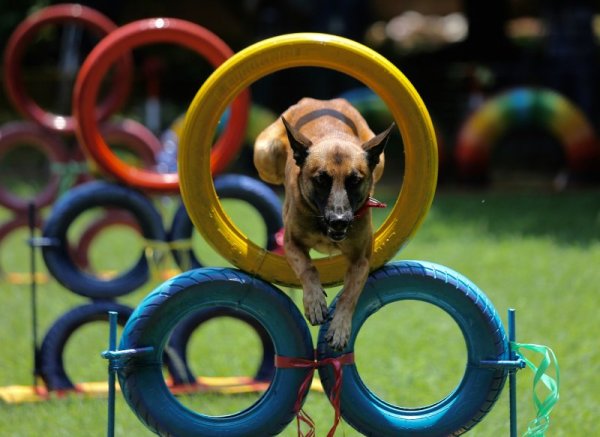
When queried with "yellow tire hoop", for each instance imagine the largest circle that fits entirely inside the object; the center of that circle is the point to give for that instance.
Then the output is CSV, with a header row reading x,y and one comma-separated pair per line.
x,y
305,50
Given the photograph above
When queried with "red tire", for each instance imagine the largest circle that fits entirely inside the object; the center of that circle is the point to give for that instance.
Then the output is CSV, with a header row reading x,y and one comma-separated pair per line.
x,y
16,134
24,34
135,138
123,40
115,217
8,227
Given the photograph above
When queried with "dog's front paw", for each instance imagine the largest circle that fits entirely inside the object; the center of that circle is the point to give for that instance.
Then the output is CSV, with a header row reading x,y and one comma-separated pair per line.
x,y
338,333
315,306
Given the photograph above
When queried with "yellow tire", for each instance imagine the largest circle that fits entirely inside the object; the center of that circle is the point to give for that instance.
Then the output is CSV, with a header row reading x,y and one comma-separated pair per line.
x,y
305,50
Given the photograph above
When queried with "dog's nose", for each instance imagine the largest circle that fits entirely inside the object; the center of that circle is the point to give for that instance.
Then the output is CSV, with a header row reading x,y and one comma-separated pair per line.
x,y
339,222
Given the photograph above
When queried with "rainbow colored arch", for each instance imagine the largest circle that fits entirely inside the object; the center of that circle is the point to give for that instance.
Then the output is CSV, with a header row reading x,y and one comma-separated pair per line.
x,y
526,107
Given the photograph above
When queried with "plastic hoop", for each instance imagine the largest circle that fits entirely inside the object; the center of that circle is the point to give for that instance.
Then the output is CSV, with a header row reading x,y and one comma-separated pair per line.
x,y
15,50
296,50
122,40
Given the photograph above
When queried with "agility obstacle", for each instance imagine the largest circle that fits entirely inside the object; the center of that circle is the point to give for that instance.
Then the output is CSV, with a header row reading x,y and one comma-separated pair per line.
x,y
250,292
491,353
68,264
119,43
316,50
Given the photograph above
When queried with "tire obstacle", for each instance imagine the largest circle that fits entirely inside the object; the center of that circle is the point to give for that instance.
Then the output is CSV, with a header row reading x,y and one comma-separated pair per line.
x,y
113,47
67,264
293,51
137,360
51,134
132,208
14,53
497,361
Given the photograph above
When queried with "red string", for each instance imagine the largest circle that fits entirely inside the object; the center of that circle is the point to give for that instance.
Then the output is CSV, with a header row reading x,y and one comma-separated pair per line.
x,y
300,363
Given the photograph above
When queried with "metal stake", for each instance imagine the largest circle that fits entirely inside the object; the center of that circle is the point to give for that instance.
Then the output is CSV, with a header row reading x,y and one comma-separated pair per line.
x,y
512,375
112,346
32,219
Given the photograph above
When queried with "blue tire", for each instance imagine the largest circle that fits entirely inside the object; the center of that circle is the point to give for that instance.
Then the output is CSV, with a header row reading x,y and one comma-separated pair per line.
x,y
180,369
50,358
484,336
150,325
231,186
73,203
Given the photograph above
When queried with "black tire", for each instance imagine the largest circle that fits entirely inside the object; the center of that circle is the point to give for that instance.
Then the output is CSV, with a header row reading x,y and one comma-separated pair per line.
x,y
51,364
484,337
141,378
178,343
231,186
79,199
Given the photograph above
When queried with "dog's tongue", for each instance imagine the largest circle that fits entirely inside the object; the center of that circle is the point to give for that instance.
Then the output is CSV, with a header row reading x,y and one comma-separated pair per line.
x,y
371,202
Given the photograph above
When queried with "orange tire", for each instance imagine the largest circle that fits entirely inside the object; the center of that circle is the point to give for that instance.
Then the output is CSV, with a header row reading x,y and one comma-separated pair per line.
x,y
95,67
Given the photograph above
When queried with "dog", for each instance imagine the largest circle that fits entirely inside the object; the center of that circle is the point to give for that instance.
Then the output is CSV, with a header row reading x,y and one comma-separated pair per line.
x,y
328,160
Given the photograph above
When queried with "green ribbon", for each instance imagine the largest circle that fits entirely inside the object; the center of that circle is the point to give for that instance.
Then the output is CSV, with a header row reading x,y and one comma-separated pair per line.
x,y
538,426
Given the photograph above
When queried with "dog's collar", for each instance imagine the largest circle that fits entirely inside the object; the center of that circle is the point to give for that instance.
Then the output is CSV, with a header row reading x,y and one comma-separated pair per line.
x,y
369,203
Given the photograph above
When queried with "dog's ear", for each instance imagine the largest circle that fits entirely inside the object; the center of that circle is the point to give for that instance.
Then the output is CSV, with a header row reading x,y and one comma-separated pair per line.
x,y
298,141
374,147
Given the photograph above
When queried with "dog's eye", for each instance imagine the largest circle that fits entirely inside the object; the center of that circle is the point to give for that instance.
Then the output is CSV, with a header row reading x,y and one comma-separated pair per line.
x,y
353,180
322,178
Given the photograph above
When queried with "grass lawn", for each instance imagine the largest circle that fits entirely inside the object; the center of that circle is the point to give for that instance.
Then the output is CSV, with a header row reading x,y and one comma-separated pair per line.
x,y
535,252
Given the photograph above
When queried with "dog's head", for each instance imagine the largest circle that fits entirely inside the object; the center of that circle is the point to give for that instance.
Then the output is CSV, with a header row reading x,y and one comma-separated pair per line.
x,y
336,175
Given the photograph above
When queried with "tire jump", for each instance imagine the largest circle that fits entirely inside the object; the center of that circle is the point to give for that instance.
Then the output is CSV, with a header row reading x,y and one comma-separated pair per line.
x,y
57,255
14,53
301,50
155,318
113,47
50,361
152,322
25,134
127,207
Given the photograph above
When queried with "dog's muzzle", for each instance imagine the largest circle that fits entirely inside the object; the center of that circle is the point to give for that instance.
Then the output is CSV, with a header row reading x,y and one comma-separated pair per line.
x,y
337,226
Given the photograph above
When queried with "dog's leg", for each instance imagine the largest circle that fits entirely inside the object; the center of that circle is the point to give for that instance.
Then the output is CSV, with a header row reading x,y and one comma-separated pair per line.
x,y
341,324
315,305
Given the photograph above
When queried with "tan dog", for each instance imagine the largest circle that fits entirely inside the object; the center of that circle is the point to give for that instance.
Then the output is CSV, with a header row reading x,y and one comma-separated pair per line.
x,y
328,160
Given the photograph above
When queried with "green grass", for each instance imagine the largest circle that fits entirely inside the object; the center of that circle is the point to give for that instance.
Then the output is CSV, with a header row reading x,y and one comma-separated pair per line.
x,y
535,252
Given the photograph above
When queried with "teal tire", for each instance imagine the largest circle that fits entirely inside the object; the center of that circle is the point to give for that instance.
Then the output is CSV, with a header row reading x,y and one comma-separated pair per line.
x,y
150,325
484,336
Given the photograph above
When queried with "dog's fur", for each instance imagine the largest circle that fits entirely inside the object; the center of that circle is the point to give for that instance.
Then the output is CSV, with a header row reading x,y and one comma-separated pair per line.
x,y
328,160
